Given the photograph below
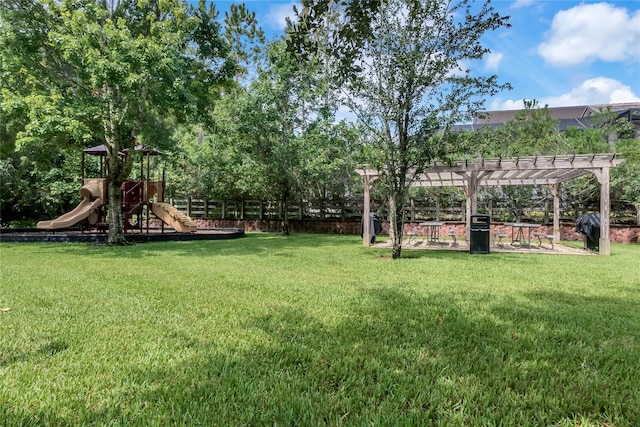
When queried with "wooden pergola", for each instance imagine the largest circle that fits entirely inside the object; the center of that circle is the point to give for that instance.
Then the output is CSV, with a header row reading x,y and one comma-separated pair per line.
x,y
550,171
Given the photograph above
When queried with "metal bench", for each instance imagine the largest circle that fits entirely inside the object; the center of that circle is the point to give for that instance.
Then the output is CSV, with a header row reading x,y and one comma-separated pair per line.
x,y
540,236
452,234
412,235
499,235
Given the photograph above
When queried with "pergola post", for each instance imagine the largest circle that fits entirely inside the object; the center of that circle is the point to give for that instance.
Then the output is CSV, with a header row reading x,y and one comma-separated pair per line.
x,y
366,230
602,175
555,192
471,193
605,213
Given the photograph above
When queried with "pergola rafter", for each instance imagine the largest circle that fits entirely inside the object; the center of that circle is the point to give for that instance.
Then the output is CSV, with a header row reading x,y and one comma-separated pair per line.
x,y
549,171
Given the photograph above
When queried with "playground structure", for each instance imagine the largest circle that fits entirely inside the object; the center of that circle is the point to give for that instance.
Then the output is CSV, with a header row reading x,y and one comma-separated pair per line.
x,y
93,197
140,200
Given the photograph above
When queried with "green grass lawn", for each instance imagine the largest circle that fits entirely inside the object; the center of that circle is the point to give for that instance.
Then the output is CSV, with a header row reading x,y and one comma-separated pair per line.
x,y
314,330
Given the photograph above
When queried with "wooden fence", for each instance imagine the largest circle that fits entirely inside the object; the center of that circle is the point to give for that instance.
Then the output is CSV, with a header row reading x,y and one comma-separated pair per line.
x,y
269,210
416,210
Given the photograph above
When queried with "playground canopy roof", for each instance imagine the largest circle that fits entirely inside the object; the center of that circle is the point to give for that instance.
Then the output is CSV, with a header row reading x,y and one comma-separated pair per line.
x,y
101,150
98,150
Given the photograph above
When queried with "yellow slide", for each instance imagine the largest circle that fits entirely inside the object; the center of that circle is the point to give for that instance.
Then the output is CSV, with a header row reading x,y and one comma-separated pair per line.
x,y
173,217
80,212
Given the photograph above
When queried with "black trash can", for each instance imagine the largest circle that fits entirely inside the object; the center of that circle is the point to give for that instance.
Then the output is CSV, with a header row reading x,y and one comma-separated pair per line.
x,y
375,226
589,226
479,236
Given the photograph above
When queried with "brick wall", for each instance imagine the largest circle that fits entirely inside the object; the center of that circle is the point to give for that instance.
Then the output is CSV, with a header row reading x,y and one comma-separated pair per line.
x,y
296,226
620,234
617,233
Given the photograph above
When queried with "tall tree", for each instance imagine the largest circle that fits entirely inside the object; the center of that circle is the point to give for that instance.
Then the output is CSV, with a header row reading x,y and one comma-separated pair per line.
x,y
110,72
245,38
532,131
282,134
400,66
626,178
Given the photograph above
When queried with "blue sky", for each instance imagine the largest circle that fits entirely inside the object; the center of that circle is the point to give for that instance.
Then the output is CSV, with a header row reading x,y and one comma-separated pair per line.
x,y
558,52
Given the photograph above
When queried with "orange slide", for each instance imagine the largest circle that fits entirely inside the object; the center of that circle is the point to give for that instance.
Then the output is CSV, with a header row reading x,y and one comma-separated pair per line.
x,y
92,190
173,217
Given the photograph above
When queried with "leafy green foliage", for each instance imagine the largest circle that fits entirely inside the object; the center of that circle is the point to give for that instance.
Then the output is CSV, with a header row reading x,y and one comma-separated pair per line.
x,y
37,184
276,139
336,29
399,65
533,131
626,178
243,36
87,72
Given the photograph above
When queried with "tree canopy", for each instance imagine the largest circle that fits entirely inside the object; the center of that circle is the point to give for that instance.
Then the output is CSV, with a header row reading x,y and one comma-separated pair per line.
x,y
400,66
109,72
280,133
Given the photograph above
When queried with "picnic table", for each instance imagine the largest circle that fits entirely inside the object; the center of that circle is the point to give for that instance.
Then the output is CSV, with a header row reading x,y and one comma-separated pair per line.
x,y
518,237
433,230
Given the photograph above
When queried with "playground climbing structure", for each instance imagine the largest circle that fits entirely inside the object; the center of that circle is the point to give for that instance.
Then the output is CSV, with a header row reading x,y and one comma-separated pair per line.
x,y
142,201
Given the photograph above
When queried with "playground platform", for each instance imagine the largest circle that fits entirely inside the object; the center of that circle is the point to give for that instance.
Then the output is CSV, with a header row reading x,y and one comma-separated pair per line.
x,y
154,235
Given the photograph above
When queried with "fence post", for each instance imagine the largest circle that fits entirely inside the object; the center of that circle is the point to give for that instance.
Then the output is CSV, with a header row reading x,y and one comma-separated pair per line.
x,y
438,208
223,209
189,206
241,208
413,209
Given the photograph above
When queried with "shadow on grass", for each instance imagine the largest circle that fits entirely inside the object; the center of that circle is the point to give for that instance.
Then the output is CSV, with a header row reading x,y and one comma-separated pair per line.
x,y
499,258
400,358
250,244
49,348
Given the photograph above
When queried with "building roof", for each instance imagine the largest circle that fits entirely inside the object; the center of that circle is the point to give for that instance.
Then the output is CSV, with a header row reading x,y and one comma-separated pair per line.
x,y
561,113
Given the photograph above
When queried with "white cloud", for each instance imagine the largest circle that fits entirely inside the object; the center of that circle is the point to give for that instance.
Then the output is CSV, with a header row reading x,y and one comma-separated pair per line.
x,y
510,104
278,14
522,3
599,90
492,61
588,32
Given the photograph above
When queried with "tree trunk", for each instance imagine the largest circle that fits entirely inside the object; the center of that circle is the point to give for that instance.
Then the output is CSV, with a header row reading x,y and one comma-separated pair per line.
x,y
395,226
115,217
285,212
